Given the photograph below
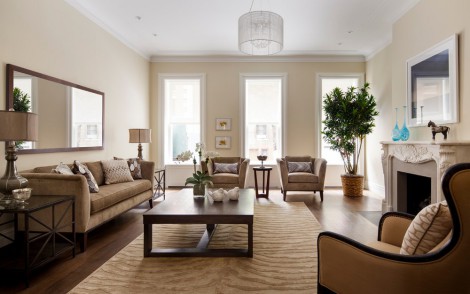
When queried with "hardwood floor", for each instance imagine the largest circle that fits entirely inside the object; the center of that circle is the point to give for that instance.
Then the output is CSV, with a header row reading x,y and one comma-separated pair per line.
x,y
336,213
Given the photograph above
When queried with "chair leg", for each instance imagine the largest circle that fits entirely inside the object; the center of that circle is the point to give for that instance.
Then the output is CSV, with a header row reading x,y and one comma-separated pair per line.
x,y
82,240
321,195
284,194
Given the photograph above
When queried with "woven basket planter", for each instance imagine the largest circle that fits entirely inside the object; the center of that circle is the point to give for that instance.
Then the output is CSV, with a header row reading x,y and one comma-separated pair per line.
x,y
353,185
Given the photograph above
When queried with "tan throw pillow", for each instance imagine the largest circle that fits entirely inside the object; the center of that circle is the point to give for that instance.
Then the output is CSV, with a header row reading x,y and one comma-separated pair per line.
x,y
134,167
430,226
81,169
116,171
299,167
229,168
63,169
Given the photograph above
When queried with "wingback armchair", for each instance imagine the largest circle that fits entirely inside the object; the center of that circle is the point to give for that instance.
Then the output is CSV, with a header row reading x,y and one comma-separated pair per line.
x,y
227,172
346,266
302,173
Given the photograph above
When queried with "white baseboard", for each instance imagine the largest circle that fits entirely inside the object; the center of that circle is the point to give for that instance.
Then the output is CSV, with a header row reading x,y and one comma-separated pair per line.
x,y
376,188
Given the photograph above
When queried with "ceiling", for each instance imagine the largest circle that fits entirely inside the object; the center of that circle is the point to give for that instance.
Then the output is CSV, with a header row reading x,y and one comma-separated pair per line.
x,y
169,28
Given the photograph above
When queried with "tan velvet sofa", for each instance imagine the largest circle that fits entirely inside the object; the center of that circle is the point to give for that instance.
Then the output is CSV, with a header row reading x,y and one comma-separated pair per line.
x,y
93,209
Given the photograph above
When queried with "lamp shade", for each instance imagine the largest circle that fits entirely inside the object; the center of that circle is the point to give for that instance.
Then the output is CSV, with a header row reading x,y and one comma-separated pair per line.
x,y
18,126
260,33
140,136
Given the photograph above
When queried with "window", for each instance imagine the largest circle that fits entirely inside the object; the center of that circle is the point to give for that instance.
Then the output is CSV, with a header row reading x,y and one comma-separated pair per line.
x,y
182,106
328,83
263,98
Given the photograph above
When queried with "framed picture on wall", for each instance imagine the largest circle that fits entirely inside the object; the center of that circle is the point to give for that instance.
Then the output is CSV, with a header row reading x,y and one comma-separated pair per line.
x,y
223,142
223,124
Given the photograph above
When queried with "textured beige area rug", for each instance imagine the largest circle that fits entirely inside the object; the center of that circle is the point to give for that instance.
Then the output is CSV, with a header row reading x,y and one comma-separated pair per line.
x,y
284,261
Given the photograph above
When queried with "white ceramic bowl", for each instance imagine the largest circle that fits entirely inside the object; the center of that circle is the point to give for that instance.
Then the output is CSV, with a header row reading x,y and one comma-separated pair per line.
x,y
21,195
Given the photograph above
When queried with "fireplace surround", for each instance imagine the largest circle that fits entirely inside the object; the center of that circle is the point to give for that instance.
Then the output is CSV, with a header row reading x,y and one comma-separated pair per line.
x,y
420,164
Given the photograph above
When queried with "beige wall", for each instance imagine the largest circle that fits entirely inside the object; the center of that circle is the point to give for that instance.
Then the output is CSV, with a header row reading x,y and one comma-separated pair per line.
x,y
51,37
426,24
223,99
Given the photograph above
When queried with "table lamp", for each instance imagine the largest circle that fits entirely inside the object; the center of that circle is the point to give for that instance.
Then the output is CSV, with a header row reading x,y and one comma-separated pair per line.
x,y
15,126
140,136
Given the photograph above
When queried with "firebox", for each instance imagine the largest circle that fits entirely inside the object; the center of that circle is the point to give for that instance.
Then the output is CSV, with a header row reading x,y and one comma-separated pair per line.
x,y
413,192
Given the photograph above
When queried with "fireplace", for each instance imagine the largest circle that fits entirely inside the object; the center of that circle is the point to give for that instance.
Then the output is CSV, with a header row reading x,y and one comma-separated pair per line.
x,y
413,172
413,192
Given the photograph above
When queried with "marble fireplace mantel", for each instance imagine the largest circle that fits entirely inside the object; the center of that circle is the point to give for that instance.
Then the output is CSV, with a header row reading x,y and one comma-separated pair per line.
x,y
414,155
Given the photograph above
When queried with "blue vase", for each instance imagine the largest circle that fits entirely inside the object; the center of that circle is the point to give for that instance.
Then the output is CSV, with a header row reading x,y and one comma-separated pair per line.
x,y
396,130
404,132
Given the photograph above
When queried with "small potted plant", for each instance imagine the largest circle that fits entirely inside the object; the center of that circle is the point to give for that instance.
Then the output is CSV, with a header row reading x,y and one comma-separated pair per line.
x,y
199,179
349,117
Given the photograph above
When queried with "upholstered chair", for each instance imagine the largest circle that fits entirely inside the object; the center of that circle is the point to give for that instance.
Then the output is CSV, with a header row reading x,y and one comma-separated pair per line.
x,y
227,172
302,173
387,266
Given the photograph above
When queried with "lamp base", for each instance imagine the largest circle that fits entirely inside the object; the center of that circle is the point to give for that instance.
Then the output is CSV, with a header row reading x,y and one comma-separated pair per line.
x,y
11,180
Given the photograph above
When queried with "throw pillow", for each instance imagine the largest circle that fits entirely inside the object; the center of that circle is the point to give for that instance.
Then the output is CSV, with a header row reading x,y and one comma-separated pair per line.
x,y
63,169
298,167
134,167
81,169
430,226
230,168
116,171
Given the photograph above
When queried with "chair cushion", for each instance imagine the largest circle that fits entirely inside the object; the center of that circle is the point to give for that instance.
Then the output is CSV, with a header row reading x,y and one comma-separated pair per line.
x,y
382,246
116,171
295,167
430,226
302,178
231,168
225,178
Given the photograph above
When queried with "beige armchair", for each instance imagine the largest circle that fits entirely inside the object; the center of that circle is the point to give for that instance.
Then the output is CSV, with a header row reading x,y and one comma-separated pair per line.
x,y
226,178
311,180
346,266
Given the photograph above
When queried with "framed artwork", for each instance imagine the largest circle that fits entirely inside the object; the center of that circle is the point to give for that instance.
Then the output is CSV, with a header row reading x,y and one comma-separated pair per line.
x,y
223,124
223,142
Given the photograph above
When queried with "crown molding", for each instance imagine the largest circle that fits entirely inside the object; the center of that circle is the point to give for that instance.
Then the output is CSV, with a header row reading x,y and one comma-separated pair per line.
x,y
312,58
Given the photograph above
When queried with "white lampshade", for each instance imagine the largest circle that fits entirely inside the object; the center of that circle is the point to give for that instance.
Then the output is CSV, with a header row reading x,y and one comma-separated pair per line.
x,y
260,33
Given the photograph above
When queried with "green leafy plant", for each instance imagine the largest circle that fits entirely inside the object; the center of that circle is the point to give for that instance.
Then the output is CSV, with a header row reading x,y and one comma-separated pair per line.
x,y
199,178
349,117
21,103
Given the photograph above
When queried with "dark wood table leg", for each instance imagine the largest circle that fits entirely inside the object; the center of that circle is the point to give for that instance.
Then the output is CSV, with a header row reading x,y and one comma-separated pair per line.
x,y
250,240
267,186
147,239
256,183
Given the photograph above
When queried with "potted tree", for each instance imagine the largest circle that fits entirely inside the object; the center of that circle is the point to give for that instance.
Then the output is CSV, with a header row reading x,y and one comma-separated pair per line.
x,y
349,117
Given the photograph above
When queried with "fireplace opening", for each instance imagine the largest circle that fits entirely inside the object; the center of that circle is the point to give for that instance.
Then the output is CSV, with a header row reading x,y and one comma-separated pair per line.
x,y
413,192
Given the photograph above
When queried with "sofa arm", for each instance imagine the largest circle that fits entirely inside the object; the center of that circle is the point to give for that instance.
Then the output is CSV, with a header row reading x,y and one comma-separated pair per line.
x,y
393,226
148,170
57,184
243,173
283,172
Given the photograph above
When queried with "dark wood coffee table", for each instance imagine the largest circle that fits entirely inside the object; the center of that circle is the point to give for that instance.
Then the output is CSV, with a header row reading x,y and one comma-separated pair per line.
x,y
182,208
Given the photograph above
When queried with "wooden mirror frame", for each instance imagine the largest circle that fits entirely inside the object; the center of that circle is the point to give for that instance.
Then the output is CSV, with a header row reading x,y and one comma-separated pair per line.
x,y
9,104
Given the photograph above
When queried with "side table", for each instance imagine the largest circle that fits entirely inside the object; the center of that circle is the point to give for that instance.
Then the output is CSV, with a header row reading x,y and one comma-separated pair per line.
x,y
266,174
31,247
159,187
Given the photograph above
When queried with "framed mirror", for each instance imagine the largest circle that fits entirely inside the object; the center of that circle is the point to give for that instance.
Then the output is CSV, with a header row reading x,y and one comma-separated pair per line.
x,y
432,85
71,117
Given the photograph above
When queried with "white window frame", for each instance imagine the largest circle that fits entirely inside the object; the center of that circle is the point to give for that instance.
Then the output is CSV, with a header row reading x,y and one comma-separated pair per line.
x,y
243,78
320,76
161,111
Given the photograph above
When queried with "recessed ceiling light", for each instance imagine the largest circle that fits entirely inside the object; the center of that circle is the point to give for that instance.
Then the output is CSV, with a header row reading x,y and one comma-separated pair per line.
x,y
350,32
138,17
155,35
339,44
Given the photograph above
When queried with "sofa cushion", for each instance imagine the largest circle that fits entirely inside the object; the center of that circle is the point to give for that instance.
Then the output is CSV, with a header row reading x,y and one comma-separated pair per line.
x,y
296,167
109,195
430,226
302,178
81,169
116,171
231,168
63,169
96,169
45,169
134,167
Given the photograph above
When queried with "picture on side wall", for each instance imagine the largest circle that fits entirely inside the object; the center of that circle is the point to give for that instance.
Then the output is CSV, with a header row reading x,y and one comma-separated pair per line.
x,y
222,142
223,124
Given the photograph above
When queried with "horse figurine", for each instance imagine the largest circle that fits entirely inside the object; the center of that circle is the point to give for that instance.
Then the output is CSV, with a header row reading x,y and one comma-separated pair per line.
x,y
438,129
